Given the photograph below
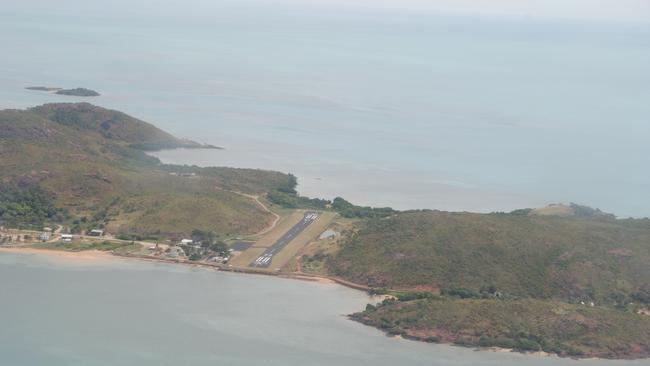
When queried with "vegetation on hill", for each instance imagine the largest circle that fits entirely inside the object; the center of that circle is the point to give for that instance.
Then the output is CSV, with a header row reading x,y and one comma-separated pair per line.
x,y
111,125
78,92
571,285
572,330
288,198
27,206
573,259
570,210
87,161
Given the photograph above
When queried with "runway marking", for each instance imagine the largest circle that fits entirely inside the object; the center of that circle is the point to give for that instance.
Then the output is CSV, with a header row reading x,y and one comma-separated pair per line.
x,y
264,260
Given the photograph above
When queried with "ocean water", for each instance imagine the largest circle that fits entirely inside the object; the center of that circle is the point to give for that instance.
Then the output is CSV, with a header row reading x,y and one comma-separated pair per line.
x,y
66,312
384,107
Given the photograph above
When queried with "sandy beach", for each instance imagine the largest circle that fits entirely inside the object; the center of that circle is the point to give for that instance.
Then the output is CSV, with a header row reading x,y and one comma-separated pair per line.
x,y
97,256
85,256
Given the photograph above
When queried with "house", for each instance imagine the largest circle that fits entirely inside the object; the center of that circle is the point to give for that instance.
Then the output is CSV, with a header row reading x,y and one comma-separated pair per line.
x,y
66,237
96,232
44,236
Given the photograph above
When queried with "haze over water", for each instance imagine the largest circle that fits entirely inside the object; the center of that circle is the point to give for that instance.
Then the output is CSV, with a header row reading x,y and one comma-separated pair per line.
x,y
411,109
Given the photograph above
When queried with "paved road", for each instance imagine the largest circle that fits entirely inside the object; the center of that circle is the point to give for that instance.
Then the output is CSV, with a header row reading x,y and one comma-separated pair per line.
x,y
264,260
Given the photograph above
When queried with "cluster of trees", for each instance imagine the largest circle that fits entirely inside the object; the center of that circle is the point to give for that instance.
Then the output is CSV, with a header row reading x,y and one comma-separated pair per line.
x,y
643,295
347,209
527,342
27,206
588,212
97,221
135,237
210,245
484,292
521,212
288,198
292,200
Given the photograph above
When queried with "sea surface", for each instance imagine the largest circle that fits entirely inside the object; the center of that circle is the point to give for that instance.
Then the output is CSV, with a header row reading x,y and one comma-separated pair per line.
x,y
385,107
67,312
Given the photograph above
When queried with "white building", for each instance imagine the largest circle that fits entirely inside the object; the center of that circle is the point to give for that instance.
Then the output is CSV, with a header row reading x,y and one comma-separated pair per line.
x,y
96,232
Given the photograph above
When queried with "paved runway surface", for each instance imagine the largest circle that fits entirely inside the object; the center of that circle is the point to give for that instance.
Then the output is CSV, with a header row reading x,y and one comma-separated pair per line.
x,y
264,260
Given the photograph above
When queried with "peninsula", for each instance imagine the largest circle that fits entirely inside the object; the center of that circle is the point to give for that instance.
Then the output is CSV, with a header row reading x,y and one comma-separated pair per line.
x,y
567,279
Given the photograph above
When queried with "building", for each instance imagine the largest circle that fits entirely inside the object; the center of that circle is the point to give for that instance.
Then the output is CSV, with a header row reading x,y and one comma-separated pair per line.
x,y
44,236
187,241
66,237
96,232
328,234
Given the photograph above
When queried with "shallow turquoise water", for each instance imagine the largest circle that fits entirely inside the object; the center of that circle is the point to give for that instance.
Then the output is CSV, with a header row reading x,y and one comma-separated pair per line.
x,y
59,312
412,110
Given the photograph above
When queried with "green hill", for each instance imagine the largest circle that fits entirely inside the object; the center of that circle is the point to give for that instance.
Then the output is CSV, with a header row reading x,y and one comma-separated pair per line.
x,y
538,256
86,164
112,125
485,266
530,325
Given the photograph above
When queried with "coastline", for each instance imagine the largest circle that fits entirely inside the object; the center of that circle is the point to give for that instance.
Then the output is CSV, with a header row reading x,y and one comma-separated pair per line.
x,y
96,256
91,256
82,256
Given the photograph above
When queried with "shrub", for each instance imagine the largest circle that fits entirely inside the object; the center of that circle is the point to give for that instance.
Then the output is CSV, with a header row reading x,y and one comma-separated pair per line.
x,y
525,344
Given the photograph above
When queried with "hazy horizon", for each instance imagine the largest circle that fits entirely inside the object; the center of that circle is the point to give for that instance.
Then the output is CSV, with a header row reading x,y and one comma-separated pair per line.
x,y
595,10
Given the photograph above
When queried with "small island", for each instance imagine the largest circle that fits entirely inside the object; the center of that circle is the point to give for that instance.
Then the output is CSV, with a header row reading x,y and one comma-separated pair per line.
x,y
78,92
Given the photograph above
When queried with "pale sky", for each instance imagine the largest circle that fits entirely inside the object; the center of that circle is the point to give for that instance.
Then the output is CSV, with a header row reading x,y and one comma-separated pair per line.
x,y
637,11
616,10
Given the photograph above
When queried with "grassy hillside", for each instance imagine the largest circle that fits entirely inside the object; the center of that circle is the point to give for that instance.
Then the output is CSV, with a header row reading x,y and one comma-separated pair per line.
x,y
88,161
574,284
112,125
573,259
524,324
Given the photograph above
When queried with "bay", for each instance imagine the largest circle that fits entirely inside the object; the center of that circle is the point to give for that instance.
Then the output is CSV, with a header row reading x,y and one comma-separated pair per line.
x,y
65,311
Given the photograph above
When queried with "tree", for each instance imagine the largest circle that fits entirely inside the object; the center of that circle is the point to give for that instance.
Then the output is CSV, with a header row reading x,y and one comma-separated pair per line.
x,y
219,247
206,238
